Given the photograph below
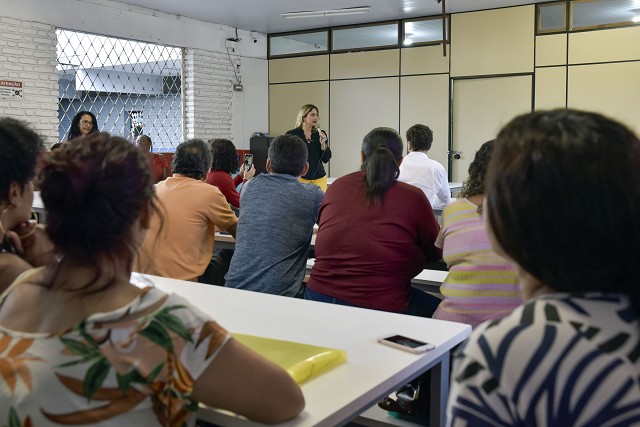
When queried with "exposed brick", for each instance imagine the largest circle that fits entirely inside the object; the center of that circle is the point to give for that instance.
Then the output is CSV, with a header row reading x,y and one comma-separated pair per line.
x,y
23,43
208,93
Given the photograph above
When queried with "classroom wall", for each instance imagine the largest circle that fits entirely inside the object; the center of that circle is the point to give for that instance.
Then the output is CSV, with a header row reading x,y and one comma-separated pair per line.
x,y
496,68
211,107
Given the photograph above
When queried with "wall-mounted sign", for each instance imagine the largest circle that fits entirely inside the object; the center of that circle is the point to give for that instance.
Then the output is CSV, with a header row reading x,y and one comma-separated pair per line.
x,y
10,89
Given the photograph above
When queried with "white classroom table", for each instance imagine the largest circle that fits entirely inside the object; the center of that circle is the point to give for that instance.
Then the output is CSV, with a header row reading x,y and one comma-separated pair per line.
x,y
454,187
38,207
226,241
372,370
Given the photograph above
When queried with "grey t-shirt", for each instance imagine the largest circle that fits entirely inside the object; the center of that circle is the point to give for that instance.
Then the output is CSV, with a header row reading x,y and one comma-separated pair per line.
x,y
276,221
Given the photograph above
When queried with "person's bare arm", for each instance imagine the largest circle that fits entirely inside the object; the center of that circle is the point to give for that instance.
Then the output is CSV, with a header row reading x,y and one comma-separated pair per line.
x,y
241,381
32,244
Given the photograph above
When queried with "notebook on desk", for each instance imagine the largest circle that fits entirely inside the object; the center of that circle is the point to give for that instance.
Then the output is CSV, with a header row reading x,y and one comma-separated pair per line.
x,y
301,361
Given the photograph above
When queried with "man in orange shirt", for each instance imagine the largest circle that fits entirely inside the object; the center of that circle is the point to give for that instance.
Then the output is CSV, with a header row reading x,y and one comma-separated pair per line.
x,y
179,243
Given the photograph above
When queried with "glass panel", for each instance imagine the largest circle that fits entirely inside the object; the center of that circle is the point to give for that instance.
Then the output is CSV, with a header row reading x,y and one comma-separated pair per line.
x,y
424,31
299,43
363,37
131,87
552,18
598,13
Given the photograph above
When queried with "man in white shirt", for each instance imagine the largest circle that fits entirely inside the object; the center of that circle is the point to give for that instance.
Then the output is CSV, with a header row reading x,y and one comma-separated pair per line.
x,y
420,171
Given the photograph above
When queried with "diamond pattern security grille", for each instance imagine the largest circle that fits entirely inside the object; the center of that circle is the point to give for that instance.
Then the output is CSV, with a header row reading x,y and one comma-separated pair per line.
x,y
131,87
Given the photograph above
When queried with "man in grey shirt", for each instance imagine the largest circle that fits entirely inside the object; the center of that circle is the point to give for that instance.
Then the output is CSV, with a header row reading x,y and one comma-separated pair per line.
x,y
276,223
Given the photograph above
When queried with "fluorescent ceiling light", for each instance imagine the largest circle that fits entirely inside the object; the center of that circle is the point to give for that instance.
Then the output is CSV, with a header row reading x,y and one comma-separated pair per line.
x,y
330,12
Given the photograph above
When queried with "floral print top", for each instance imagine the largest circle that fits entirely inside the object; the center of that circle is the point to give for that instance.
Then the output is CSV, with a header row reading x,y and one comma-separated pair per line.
x,y
134,366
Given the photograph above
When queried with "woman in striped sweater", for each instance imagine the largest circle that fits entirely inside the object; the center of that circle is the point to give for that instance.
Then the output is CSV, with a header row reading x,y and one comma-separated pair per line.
x,y
481,285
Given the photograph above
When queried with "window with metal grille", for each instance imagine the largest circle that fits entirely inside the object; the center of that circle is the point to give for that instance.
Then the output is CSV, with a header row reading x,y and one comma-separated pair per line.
x,y
131,87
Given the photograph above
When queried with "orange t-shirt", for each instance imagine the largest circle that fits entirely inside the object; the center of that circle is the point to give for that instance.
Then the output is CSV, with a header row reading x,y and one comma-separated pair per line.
x,y
180,246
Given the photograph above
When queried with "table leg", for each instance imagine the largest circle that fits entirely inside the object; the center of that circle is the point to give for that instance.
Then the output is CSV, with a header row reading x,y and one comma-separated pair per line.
x,y
439,392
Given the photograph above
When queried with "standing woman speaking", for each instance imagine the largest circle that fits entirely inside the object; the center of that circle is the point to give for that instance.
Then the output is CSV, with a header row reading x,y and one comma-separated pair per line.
x,y
317,144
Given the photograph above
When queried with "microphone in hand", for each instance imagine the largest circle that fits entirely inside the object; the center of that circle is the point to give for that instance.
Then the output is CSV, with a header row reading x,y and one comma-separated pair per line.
x,y
324,140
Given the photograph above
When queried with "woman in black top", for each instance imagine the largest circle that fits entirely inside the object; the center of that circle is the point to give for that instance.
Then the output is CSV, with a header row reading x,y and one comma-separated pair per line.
x,y
317,144
83,123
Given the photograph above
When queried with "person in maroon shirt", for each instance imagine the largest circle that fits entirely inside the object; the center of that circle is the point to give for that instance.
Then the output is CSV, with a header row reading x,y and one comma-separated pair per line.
x,y
375,234
224,163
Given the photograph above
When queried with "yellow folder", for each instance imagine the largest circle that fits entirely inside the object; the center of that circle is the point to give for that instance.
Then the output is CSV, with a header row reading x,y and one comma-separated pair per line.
x,y
301,361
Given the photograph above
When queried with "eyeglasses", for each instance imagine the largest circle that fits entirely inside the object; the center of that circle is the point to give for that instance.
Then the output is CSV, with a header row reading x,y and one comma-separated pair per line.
x,y
86,123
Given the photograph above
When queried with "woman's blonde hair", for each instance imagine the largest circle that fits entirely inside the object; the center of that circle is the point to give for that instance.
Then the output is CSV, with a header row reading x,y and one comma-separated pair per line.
x,y
304,112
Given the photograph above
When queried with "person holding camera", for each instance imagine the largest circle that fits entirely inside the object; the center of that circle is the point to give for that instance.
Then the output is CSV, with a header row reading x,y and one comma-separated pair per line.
x,y
225,162
308,129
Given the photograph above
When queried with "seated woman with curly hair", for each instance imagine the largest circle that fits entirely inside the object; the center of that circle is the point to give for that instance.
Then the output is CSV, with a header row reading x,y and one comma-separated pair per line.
x,y
19,150
224,158
481,285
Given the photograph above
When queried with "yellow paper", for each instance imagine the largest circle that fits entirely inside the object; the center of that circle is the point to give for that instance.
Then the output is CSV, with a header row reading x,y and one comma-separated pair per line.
x,y
301,361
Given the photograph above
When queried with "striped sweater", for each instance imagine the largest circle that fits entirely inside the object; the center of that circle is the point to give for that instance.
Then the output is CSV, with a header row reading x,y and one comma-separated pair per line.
x,y
481,285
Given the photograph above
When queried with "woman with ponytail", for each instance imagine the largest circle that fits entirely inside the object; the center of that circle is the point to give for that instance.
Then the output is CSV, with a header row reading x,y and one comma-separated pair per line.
x,y
375,235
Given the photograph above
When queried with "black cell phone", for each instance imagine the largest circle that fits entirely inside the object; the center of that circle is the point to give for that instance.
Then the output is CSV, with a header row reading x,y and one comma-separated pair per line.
x,y
248,161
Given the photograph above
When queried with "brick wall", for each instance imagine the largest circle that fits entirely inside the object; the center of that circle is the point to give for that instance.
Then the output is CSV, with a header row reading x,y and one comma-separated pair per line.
x,y
28,55
208,94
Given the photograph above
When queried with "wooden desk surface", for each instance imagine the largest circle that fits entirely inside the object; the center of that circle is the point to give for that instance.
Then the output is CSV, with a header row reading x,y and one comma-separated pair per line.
x,y
372,370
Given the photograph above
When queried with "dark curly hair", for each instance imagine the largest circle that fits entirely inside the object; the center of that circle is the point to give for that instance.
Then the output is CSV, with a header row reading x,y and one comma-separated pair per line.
x,y
588,240
93,190
192,158
224,156
19,149
420,136
474,184
74,129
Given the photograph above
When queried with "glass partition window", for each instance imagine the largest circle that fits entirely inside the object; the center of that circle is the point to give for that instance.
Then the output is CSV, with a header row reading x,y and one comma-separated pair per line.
x,y
365,37
604,13
291,44
424,31
552,18
587,14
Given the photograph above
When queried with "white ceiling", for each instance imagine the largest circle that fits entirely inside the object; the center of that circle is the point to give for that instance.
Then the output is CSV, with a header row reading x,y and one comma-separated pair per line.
x,y
264,15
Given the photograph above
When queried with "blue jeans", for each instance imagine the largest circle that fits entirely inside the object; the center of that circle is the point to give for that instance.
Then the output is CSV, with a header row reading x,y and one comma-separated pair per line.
x,y
317,296
421,303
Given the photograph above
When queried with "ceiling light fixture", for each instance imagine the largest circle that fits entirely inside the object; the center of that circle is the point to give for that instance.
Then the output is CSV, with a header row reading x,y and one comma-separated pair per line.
x,y
330,12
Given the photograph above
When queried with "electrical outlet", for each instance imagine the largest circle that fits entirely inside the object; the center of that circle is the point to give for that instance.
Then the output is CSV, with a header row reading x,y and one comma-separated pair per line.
x,y
237,87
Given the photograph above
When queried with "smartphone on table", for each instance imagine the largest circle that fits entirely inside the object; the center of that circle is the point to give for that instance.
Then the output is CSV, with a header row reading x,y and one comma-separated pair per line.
x,y
405,343
248,161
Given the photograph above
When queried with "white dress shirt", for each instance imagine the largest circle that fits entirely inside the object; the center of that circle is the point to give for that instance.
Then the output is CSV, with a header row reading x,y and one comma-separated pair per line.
x,y
428,175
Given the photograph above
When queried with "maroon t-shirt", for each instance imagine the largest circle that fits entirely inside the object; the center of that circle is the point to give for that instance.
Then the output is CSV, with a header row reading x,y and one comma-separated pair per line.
x,y
367,255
